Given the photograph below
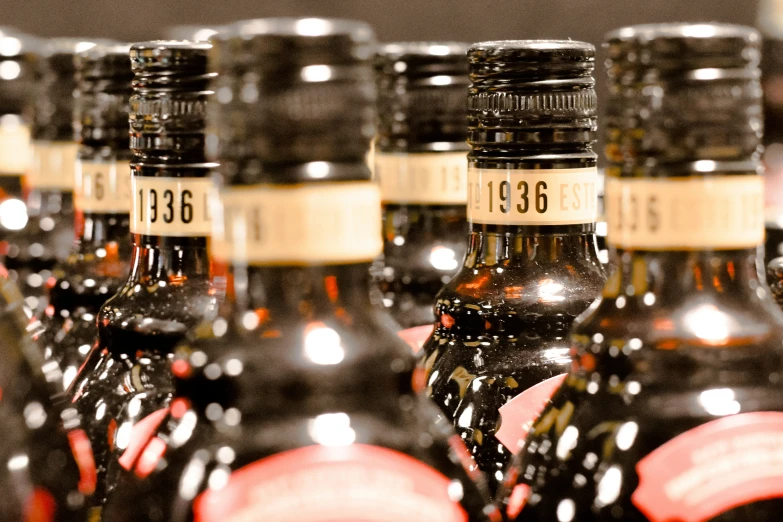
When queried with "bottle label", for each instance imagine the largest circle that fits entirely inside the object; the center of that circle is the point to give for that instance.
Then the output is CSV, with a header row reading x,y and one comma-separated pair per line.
x,y
320,223
518,415
694,213
431,178
353,483
53,165
532,196
103,188
712,469
416,336
176,207
14,146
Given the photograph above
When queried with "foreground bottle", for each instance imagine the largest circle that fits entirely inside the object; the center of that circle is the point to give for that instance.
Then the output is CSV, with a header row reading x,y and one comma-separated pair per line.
x,y
45,474
48,235
127,374
98,262
500,344
300,406
672,410
420,161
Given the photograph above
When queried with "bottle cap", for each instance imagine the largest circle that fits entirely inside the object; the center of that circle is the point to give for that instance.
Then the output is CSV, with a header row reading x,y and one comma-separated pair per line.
x,y
103,76
681,93
292,91
54,103
531,85
422,94
18,56
170,91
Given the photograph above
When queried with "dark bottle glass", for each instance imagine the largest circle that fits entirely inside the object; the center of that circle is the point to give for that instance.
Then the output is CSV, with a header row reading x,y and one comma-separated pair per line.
x,y
300,404
46,474
127,374
770,24
48,235
531,265
672,410
420,160
98,262
17,80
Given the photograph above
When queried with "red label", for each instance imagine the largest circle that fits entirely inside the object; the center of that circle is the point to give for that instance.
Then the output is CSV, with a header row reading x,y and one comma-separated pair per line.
x,y
417,336
140,434
518,414
41,507
712,469
85,460
356,483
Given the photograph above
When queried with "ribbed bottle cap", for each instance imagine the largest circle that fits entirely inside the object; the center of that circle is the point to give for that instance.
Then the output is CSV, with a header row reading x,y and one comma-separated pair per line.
x,y
170,91
54,103
18,55
531,89
104,76
292,90
422,93
681,93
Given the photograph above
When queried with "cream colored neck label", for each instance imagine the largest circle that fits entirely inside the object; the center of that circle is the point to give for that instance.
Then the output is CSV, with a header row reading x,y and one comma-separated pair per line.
x,y
103,187
323,223
53,165
695,213
434,178
177,207
14,146
532,196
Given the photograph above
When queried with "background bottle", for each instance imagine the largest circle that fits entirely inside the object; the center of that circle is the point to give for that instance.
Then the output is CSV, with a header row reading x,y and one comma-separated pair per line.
x,y
18,59
98,263
48,234
531,265
127,375
420,159
672,409
302,385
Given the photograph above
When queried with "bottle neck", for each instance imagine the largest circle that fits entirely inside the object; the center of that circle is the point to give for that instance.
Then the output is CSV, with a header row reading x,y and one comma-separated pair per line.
x,y
297,294
517,246
669,278
171,260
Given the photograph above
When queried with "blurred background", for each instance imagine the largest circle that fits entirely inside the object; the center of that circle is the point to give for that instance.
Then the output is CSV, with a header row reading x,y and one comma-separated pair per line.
x,y
135,20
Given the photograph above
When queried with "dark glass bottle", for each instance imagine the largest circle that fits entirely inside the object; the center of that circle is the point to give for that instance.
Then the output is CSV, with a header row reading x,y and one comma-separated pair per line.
x,y
48,235
46,474
420,159
17,79
98,262
531,265
127,374
672,410
300,404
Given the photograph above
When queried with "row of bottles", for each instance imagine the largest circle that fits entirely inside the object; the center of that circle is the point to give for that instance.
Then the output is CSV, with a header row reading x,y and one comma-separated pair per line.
x,y
218,343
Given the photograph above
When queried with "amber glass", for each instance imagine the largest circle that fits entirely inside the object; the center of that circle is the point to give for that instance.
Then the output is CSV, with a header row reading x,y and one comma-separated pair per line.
x,y
126,376
98,262
422,89
503,320
299,359
681,338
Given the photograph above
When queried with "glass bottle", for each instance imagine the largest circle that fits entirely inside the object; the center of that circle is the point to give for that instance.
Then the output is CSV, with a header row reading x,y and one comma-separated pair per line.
x,y
98,262
300,405
420,160
672,410
18,56
48,235
500,342
45,473
127,375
